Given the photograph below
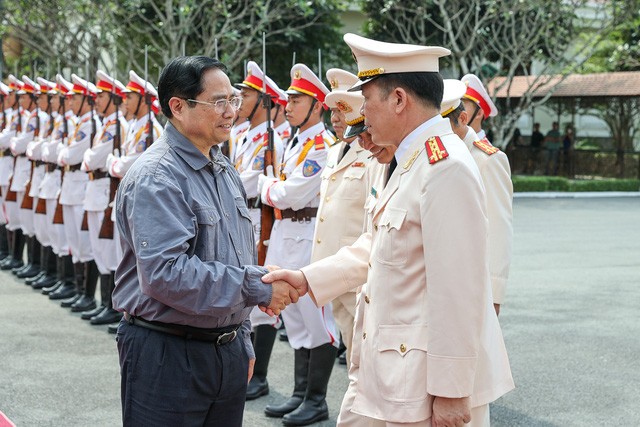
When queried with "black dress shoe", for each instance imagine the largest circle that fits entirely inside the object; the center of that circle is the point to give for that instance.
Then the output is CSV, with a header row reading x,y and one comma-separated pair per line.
x,y
17,270
108,315
113,328
279,411
11,264
65,291
342,359
30,280
83,303
52,288
283,336
257,387
87,315
44,282
67,303
308,413
32,271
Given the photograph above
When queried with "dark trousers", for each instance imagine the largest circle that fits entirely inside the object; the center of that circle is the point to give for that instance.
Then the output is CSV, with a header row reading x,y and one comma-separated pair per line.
x,y
172,381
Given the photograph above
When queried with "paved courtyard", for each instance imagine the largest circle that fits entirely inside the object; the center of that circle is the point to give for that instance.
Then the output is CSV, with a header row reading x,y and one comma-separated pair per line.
x,y
571,323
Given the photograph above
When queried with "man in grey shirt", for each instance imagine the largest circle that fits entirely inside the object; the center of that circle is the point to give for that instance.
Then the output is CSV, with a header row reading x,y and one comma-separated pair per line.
x,y
188,282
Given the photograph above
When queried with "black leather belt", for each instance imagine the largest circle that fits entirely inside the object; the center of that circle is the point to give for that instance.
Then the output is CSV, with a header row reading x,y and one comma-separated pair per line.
x,y
6,152
52,167
97,175
73,168
304,214
39,163
254,203
219,336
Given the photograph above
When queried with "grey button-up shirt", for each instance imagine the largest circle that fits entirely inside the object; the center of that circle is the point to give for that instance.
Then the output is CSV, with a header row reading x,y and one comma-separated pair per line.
x,y
187,240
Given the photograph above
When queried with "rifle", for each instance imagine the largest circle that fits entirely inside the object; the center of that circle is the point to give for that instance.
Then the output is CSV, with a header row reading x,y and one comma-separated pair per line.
x,y
58,216
266,211
41,207
107,228
12,196
92,103
27,201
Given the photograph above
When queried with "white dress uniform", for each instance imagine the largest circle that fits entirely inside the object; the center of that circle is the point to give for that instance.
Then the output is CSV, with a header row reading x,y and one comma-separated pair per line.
x,y
496,175
290,245
441,204
34,153
6,159
74,187
98,191
250,165
284,130
22,172
52,180
235,138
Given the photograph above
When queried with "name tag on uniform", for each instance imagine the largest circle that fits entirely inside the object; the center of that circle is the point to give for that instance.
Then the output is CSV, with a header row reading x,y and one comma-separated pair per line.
x,y
357,165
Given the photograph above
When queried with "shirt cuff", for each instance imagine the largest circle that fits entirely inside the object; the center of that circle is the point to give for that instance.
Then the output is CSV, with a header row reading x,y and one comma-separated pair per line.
x,y
258,292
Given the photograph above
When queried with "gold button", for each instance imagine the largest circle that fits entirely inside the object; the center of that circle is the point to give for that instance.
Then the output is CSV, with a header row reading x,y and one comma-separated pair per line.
x,y
318,241
364,335
326,199
321,219
375,227
366,299
333,178
402,348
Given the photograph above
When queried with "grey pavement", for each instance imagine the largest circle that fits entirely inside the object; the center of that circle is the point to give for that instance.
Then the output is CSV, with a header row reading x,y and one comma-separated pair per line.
x,y
571,324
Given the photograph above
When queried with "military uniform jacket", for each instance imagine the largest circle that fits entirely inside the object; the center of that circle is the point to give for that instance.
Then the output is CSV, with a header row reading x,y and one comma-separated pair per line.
x,y
6,160
133,146
74,183
22,169
50,186
496,175
250,157
429,327
235,139
343,194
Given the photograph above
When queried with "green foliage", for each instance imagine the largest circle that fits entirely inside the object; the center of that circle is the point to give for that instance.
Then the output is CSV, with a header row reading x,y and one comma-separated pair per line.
x,y
549,183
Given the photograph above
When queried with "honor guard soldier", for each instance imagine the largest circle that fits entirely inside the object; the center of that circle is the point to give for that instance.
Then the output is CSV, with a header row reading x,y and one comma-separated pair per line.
x,y
343,190
432,351
72,194
240,126
250,158
110,94
8,126
311,330
22,173
496,176
47,265
63,127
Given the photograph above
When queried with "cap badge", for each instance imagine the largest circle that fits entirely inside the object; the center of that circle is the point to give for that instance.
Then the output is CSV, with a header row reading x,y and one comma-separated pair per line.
x,y
343,106
297,75
334,83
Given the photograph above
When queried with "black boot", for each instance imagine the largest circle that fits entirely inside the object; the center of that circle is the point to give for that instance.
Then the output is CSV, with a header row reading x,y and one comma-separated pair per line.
x,y
265,336
109,314
87,300
27,242
4,242
10,243
314,406
33,256
301,371
61,269
50,264
78,291
42,266
17,251
104,289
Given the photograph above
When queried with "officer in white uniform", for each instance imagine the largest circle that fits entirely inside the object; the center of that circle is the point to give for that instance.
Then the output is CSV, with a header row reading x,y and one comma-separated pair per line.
x,y
8,128
249,163
64,125
295,195
73,192
110,94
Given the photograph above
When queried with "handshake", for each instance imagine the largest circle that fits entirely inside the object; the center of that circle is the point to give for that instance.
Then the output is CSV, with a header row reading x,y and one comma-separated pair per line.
x,y
288,287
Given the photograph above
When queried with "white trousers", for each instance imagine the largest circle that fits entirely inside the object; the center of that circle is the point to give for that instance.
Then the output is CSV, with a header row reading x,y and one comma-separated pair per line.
x,y
57,236
40,226
78,240
104,250
26,216
13,212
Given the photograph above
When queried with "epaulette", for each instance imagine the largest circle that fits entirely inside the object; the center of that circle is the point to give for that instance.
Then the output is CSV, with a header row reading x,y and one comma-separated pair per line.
x,y
485,146
435,149
319,142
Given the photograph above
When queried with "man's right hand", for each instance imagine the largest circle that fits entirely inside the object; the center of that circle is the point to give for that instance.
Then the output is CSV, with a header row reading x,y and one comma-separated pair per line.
x,y
282,295
295,278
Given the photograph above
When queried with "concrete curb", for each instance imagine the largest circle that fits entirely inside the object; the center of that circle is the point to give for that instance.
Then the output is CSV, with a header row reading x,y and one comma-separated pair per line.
x,y
576,195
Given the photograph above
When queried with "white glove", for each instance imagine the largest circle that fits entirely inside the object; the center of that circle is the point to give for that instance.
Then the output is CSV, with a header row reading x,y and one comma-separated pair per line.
x,y
265,181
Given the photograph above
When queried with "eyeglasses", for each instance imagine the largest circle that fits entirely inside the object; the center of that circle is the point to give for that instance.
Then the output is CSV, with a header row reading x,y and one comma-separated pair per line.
x,y
220,106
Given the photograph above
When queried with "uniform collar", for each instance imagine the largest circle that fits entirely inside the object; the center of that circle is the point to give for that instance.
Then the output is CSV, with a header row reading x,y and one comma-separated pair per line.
x,y
481,134
405,144
311,132
470,137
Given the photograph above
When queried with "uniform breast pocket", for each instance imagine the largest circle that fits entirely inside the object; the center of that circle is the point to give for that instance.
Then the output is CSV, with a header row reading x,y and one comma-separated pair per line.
x,y
355,185
207,248
245,230
392,247
405,348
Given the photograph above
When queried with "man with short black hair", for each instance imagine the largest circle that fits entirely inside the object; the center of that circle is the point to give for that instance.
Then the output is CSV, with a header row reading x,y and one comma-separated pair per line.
x,y
187,283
